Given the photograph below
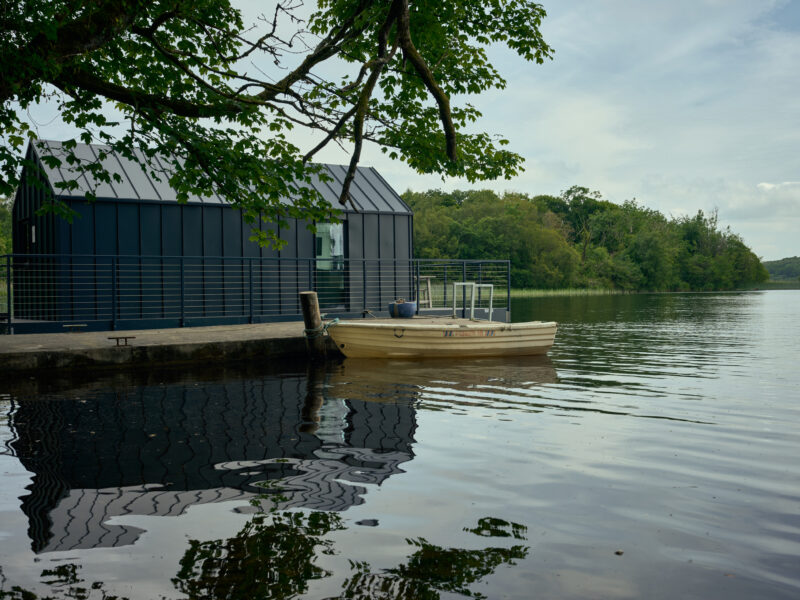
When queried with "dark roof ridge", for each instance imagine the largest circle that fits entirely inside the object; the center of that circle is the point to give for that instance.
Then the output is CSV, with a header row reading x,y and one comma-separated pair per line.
x,y
137,185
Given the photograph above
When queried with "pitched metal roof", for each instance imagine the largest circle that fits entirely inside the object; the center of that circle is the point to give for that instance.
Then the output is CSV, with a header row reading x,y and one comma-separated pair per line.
x,y
369,191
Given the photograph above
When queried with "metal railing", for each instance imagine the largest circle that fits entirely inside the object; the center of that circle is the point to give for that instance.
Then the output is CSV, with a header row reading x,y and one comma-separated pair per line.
x,y
46,292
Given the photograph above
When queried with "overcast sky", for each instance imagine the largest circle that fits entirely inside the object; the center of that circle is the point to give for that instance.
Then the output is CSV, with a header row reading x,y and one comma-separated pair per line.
x,y
681,104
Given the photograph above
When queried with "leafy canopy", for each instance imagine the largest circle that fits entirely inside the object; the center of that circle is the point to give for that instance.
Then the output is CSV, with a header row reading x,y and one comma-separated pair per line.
x,y
191,81
5,226
578,239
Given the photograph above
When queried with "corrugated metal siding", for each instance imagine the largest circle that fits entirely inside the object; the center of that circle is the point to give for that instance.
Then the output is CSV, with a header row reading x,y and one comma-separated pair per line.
x,y
369,192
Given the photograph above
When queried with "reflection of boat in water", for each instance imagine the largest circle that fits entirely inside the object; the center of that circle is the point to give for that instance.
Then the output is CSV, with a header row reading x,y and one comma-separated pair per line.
x,y
367,379
427,337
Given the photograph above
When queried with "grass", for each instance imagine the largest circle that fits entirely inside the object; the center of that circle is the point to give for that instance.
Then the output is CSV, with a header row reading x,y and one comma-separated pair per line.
x,y
4,297
518,293
500,294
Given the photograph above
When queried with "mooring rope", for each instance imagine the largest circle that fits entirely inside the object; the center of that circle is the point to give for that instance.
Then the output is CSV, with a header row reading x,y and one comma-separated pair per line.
x,y
318,331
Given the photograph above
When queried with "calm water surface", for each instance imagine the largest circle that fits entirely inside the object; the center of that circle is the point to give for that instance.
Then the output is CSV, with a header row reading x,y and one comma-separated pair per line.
x,y
655,453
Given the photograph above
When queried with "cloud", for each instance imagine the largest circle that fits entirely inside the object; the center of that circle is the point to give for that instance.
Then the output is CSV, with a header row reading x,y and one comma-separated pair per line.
x,y
766,201
778,186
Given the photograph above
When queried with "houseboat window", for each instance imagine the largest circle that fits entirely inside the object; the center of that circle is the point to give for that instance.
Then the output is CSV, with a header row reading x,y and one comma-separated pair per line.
x,y
330,246
330,265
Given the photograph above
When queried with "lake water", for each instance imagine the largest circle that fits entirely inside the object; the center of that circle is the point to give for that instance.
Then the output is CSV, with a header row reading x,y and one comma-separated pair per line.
x,y
655,453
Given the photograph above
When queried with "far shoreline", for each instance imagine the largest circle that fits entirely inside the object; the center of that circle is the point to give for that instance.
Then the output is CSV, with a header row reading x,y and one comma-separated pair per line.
x,y
544,293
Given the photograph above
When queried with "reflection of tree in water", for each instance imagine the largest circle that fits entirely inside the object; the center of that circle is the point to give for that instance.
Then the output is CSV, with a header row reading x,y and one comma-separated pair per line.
x,y
491,527
273,557
64,582
432,569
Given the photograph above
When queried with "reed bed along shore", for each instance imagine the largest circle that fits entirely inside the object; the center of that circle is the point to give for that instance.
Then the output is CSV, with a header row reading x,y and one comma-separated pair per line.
x,y
777,284
766,285
521,293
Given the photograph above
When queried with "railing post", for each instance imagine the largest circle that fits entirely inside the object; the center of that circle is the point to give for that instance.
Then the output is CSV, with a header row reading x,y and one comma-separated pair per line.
x,y
250,288
114,293
364,289
508,291
279,262
183,317
480,289
417,296
298,287
463,290
9,302
445,284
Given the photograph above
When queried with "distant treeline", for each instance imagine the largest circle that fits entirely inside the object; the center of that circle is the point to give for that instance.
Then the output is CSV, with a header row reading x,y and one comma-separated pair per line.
x,y
579,239
785,268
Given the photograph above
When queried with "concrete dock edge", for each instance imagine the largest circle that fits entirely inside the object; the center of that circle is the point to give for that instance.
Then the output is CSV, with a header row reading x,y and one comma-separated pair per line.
x,y
96,350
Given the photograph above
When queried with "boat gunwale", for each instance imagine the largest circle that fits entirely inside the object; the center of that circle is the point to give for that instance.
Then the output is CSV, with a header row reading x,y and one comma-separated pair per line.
x,y
424,326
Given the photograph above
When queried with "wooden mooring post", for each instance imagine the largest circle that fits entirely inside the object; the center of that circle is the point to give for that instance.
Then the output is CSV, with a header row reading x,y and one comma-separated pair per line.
x,y
314,330
315,385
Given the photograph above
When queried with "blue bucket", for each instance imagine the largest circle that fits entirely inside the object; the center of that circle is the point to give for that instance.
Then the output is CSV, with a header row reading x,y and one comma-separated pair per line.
x,y
402,309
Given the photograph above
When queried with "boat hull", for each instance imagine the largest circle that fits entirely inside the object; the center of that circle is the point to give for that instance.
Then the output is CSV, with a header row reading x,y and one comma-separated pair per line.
x,y
450,338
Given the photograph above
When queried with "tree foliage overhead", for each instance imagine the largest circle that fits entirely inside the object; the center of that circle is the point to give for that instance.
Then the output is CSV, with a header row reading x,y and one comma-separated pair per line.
x,y
5,226
219,97
578,239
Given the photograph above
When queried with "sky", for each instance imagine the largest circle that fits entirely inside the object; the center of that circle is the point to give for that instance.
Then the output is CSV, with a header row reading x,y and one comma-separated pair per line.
x,y
684,105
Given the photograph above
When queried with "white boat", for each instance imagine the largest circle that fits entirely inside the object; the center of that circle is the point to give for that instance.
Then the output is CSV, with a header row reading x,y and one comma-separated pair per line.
x,y
426,337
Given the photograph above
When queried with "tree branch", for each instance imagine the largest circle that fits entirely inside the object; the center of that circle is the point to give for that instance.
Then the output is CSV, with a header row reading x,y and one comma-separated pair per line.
x,y
358,132
89,32
71,78
331,134
421,67
327,48
363,101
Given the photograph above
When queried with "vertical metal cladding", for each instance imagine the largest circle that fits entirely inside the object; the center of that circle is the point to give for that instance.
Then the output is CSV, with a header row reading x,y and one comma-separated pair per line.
x,y
136,225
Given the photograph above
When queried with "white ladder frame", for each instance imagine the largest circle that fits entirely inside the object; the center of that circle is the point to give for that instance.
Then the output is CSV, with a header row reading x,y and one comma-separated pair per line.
x,y
472,286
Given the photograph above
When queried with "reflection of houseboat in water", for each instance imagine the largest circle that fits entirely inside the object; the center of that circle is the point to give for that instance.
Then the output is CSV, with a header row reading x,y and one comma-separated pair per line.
x,y
121,447
159,449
